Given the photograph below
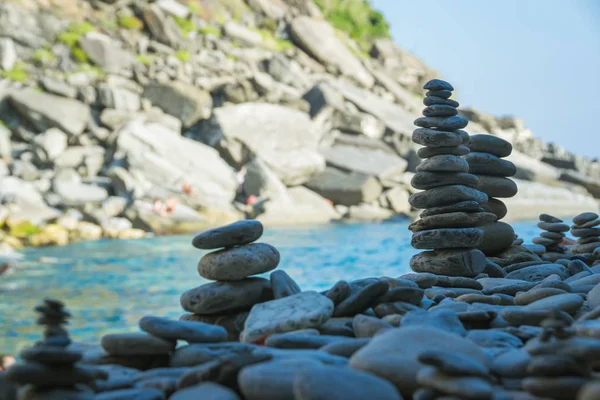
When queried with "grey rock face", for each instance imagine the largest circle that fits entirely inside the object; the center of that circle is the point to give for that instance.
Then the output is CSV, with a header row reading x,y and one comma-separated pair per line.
x,y
185,102
345,188
105,52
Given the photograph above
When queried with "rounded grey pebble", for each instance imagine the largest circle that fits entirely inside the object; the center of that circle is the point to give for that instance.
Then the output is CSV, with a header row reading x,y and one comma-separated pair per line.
x,y
190,331
237,263
235,234
431,100
426,152
440,110
131,394
438,84
443,163
283,285
207,390
444,94
490,144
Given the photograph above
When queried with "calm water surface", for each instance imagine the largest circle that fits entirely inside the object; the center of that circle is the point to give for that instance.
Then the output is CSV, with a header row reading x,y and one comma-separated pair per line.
x,y
109,285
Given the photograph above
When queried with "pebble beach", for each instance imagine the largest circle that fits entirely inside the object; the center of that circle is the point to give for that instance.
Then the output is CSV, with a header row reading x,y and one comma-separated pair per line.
x,y
483,315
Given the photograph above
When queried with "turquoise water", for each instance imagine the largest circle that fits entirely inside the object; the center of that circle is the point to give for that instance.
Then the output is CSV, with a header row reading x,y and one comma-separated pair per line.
x,y
109,285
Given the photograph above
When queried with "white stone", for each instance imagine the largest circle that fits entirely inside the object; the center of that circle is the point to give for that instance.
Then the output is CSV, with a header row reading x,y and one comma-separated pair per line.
x,y
299,311
174,8
8,54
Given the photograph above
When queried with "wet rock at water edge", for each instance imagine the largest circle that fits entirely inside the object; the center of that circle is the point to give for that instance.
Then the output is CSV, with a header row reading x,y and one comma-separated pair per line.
x,y
235,234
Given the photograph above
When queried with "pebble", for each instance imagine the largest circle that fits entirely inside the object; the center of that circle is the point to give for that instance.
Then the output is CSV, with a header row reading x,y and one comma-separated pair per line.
x,y
339,292
429,180
495,186
194,354
436,318
167,385
466,263
497,237
512,364
233,323
447,238
524,298
424,280
568,302
31,392
51,355
445,196
365,326
361,299
539,272
496,207
283,285
223,297
489,164
237,263
299,311
590,391
452,220
443,163
465,387
426,152
490,144
553,226
190,331
436,138
438,84
558,388
444,94
494,339
129,344
440,110
52,376
345,348
341,326
445,124
300,341
585,218
462,206
555,365
235,234
335,383
431,100
454,364
207,390
412,295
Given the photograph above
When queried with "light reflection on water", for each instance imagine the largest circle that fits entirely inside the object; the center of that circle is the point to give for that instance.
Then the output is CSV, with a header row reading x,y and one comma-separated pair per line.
x,y
109,285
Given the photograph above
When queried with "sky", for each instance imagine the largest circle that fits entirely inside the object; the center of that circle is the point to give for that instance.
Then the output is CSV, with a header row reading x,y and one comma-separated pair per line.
x,y
538,60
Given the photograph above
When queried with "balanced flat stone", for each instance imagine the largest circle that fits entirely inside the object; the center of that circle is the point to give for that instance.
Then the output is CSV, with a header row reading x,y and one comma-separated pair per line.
x,y
190,331
585,218
283,285
497,237
429,180
464,135
443,163
438,84
468,206
460,262
48,375
495,186
447,238
444,94
130,344
445,123
299,311
496,206
549,218
553,226
490,144
237,263
431,100
440,110
489,164
236,234
453,220
224,297
446,195
328,382
426,152
51,355
436,138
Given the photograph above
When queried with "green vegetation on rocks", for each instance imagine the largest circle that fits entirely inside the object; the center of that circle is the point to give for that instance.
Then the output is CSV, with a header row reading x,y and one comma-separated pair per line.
x,y
43,56
16,74
131,23
71,37
357,18
186,26
183,55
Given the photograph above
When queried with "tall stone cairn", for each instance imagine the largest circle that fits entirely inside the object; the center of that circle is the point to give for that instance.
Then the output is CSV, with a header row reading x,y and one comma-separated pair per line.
x,y
485,161
453,205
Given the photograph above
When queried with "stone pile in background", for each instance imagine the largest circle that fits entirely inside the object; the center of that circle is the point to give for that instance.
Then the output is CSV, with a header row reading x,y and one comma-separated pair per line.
x,y
124,118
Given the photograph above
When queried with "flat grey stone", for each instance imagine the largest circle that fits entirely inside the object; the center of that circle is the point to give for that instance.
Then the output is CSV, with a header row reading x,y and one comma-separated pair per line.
x,y
524,298
538,272
190,331
226,297
436,138
490,144
495,186
463,262
452,220
496,206
493,338
207,390
362,299
447,238
440,110
283,285
431,100
447,123
454,364
426,152
443,163
125,344
235,234
424,280
299,311
438,84
237,263
232,322
438,93
51,355
446,195
48,375
339,292
568,302
444,319
466,387
469,206
427,180
293,340
412,295
195,354
489,164
584,218
553,226
560,388
345,348
341,383
365,326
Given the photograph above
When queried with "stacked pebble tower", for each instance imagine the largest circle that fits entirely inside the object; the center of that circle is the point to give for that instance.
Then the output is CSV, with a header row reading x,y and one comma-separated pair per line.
x,y
485,161
553,232
560,365
49,369
452,202
585,229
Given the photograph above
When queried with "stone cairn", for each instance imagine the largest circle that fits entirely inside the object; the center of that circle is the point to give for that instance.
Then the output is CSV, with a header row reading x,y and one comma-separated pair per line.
x,y
453,204
485,161
50,366
553,233
585,229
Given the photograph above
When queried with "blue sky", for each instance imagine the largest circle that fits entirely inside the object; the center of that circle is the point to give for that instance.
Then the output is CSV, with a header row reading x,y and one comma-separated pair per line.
x,y
536,59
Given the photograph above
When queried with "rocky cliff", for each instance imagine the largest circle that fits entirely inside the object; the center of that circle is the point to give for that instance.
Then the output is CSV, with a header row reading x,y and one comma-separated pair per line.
x,y
121,117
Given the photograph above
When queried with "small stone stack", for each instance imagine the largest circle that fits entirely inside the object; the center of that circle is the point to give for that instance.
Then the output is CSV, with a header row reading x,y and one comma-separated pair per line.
x,y
236,258
585,229
452,203
485,161
49,368
553,234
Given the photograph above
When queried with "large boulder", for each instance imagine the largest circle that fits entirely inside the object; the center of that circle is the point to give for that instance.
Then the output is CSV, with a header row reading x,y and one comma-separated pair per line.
x,y
345,188
319,39
168,160
592,185
26,202
181,100
286,139
105,52
46,111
